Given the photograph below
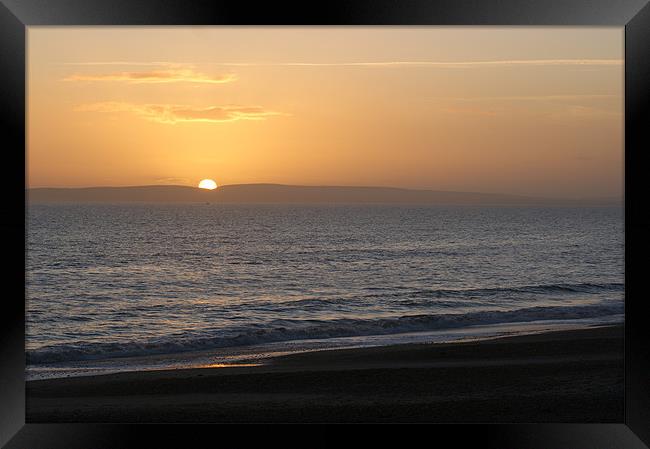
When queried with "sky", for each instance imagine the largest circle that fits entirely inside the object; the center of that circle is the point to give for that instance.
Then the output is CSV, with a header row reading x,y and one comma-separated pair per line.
x,y
520,110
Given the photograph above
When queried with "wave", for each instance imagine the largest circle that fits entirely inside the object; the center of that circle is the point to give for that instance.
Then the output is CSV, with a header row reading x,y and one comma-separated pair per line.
x,y
455,297
288,330
535,289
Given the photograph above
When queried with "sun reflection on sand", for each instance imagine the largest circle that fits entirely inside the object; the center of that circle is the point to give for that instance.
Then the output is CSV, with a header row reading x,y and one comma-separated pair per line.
x,y
228,365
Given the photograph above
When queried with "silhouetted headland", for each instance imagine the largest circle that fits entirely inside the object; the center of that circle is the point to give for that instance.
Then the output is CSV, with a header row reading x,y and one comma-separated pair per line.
x,y
278,193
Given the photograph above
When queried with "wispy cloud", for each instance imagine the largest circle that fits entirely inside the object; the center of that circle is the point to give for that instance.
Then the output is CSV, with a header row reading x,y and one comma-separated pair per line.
x,y
581,112
171,180
445,64
126,63
474,111
578,106
577,97
172,114
440,64
156,77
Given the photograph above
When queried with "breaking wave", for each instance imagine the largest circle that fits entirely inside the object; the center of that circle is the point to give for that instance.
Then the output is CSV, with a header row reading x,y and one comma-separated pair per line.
x,y
288,330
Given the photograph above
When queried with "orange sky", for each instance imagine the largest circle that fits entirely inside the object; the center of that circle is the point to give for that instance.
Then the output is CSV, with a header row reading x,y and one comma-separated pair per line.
x,y
535,111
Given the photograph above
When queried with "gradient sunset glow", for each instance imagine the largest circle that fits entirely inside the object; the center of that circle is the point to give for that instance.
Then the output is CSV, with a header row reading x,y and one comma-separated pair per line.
x,y
529,111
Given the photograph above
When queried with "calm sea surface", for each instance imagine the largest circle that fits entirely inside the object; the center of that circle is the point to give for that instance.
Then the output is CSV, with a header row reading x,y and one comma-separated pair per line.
x,y
106,282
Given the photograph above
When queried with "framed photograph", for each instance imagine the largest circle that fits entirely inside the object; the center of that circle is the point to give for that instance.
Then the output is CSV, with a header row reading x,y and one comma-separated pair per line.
x,y
367,212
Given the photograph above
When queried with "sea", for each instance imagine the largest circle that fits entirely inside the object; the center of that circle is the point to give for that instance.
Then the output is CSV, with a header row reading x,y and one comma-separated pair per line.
x,y
134,287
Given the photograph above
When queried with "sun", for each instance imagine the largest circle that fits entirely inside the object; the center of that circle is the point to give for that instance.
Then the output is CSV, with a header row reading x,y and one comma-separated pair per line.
x,y
208,184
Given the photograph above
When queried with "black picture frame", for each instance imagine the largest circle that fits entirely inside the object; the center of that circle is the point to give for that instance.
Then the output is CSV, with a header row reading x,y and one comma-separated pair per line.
x,y
16,15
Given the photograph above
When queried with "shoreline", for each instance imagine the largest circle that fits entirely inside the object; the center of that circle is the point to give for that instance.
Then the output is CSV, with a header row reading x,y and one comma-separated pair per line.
x,y
263,353
569,376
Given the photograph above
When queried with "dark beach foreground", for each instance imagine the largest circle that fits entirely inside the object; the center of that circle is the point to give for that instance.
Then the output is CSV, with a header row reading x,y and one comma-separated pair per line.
x,y
566,376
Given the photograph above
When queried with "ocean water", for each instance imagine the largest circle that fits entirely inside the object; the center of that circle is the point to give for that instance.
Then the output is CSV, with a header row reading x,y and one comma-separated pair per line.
x,y
141,286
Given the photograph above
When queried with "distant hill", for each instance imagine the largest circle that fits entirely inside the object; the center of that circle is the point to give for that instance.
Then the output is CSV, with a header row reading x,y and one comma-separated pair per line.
x,y
277,193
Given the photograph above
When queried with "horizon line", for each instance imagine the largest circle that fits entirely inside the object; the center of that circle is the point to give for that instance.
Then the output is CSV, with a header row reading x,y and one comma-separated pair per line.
x,y
413,189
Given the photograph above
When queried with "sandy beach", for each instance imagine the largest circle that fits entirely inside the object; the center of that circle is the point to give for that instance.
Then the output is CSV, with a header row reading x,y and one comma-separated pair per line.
x,y
565,376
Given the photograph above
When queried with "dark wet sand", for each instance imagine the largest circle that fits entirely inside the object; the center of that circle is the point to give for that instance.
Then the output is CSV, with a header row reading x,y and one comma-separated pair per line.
x,y
567,376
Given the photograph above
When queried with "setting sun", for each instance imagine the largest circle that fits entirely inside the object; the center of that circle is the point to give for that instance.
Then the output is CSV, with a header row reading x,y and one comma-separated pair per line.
x,y
208,184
